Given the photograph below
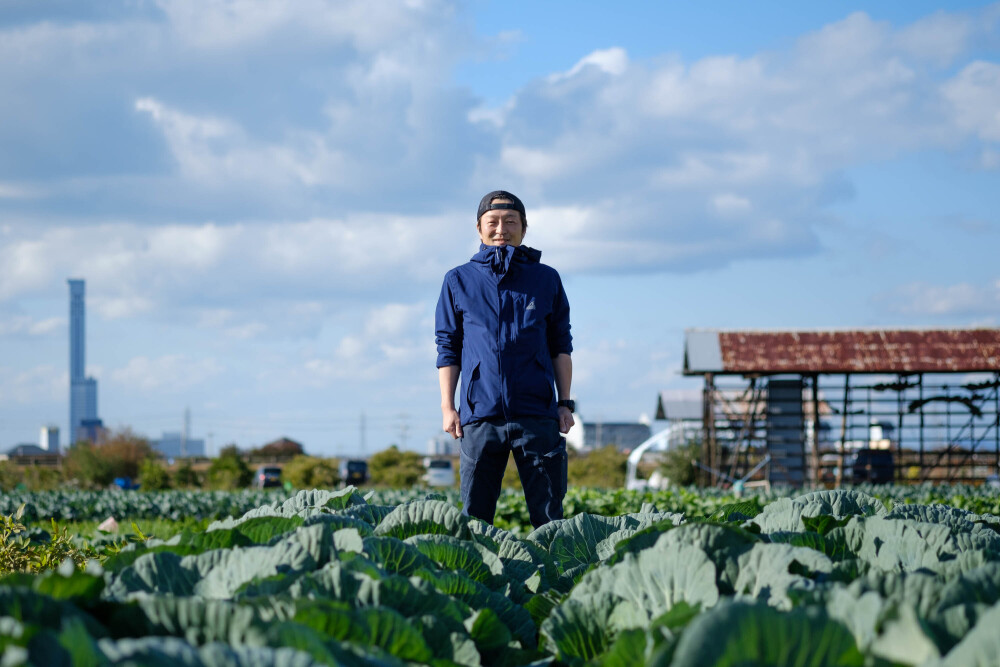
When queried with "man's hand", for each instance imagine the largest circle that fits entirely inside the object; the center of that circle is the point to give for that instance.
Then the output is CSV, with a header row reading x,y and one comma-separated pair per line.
x,y
566,420
452,423
562,364
448,379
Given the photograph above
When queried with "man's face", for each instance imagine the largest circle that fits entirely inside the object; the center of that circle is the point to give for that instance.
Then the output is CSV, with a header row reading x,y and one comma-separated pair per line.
x,y
501,227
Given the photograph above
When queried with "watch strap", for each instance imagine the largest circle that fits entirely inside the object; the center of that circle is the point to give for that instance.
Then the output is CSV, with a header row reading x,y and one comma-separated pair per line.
x,y
567,403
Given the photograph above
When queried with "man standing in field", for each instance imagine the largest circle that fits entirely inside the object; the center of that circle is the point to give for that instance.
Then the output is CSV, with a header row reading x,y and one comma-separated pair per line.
x,y
503,325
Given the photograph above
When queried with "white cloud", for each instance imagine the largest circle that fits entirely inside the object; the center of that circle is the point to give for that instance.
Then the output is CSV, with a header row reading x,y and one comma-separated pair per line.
x,y
612,61
390,341
989,159
765,138
243,279
213,150
12,324
727,204
530,163
645,370
259,108
48,325
231,24
607,238
389,321
697,170
959,300
121,307
15,191
975,95
190,247
170,373
39,383
939,38
24,267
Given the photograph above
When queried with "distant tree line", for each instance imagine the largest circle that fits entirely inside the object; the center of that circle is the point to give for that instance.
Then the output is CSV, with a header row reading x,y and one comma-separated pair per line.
x,y
124,453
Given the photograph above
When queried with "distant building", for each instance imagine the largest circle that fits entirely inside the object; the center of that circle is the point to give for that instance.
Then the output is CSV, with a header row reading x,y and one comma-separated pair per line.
x,y
277,450
25,449
624,436
684,412
82,389
28,454
49,439
175,445
92,430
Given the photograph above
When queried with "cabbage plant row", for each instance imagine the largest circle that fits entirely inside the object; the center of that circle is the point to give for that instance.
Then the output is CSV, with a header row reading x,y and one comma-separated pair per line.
x,y
335,578
76,505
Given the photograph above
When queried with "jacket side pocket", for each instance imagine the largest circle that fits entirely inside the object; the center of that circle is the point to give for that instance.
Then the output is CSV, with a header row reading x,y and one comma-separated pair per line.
x,y
473,379
548,394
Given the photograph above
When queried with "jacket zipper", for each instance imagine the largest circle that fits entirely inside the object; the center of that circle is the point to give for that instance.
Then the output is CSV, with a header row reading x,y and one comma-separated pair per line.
x,y
503,376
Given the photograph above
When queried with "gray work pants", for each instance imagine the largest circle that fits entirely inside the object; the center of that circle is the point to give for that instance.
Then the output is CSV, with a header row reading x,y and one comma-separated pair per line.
x,y
539,452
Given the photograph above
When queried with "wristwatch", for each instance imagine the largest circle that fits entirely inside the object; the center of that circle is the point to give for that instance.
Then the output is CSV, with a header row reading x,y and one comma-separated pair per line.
x,y
567,403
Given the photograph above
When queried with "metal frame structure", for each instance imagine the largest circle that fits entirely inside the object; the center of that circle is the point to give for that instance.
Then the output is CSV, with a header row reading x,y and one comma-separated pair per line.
x,y
935,407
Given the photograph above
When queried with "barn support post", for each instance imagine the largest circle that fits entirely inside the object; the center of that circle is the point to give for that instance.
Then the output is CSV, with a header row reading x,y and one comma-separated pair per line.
x,y
897,455
843,428
815,434
947,429
710,446
920,397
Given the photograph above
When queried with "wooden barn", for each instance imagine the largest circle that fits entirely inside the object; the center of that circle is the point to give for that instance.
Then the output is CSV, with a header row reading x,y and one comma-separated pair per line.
x,y
824,407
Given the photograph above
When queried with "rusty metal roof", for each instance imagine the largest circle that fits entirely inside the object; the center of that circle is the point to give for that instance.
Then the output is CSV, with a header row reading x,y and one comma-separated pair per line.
x,y
863,351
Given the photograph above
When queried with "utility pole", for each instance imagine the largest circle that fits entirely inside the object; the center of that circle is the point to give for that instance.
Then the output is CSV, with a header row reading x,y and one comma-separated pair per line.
x,y
404,428
362,433
186,433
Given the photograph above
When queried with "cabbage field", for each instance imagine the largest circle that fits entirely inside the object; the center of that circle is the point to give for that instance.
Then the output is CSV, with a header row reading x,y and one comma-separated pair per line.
x,y
847,577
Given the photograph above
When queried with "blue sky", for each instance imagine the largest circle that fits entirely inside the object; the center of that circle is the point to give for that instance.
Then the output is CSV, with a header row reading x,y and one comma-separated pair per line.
x,y
264,196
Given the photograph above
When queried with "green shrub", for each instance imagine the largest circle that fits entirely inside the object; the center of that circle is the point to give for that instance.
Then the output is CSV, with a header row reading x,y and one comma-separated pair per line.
x,y
18,553
97,465
42,478
229,471
10,476
153,476
85,465
186,477
311,472
677,465
600,468
395,469
32,478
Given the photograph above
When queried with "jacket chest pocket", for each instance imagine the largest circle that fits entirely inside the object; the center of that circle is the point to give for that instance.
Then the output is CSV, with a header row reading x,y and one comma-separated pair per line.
x,y
529,311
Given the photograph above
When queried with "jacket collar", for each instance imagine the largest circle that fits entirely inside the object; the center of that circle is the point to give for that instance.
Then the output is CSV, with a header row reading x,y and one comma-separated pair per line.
x,y
499,258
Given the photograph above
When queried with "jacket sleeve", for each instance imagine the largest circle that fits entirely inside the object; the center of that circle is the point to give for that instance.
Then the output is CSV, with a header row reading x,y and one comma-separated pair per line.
x,y
448,327
560,339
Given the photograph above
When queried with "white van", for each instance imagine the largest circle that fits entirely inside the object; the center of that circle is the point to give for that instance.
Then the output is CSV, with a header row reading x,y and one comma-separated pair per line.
x,y
440,472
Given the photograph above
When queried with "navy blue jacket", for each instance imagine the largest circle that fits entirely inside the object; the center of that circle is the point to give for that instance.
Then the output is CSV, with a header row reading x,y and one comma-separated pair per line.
x,y
501,318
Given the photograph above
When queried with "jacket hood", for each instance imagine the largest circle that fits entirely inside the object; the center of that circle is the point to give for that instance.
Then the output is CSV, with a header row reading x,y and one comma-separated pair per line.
x,y
499,258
